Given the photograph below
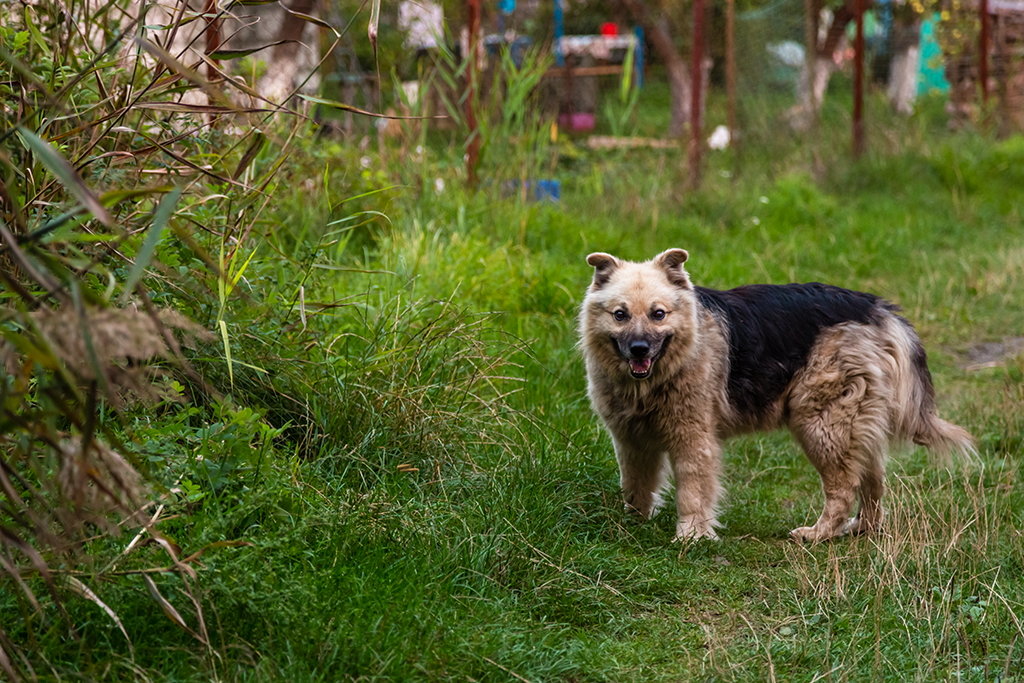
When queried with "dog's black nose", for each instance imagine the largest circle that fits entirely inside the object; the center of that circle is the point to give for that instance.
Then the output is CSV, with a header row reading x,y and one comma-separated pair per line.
x,y
639,348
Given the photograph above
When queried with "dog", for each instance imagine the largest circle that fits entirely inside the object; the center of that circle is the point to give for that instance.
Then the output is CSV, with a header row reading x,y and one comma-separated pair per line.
x,y
673,369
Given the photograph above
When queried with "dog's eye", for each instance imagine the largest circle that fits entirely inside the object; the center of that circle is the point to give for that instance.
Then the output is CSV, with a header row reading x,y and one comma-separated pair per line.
x,y
620,315
658,314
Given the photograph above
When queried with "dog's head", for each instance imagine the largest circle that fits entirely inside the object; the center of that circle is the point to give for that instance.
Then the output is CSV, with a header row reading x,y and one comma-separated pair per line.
x,y
637,317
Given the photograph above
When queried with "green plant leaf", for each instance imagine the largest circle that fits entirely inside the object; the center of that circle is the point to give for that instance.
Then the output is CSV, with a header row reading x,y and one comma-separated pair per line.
x,y
163,212
238,275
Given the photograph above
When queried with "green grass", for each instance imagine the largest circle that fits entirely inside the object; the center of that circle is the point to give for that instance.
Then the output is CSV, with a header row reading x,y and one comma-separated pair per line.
x,y
425,493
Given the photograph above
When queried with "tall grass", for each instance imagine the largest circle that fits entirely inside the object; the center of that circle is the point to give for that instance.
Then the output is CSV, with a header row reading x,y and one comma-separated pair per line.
x,y
124,197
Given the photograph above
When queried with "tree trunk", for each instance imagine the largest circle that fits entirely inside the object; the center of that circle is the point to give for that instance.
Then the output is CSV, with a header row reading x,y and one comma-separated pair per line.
x,y
283,67
656,30
810,93
811,87
906,49
679,95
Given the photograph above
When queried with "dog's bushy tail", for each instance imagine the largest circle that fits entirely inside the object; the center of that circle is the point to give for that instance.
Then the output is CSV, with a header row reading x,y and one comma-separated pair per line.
x,y
946,438
917,419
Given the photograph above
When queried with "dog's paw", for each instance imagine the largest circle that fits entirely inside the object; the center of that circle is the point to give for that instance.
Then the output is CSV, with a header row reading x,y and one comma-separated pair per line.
x,y
815,534
646,512
687,530
857,526
807,534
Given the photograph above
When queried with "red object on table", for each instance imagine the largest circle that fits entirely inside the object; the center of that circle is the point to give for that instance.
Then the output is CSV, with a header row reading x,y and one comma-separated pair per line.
x,y
609,28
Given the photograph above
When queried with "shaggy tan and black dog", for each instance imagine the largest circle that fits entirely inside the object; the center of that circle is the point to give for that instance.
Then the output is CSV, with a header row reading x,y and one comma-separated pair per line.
x,y
673,369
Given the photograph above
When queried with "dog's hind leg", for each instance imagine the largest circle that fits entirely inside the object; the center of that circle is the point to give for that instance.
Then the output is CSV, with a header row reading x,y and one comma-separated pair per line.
x,y
870,516
840,410
841,480
839,485
849,456
844,434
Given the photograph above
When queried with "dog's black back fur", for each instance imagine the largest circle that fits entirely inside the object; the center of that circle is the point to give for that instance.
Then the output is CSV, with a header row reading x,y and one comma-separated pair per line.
x,y
771,330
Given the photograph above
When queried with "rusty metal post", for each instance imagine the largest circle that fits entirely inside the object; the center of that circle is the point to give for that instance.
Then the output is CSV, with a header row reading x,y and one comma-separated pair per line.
x,y
696,86
811,58
212,34
472,84
858,81
983,48
730,69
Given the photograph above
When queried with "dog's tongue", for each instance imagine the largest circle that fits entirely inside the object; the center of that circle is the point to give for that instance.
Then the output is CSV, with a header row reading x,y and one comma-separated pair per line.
x,y
641,366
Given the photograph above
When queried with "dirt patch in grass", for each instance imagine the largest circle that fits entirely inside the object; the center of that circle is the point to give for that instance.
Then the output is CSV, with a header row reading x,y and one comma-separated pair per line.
x,y
992,354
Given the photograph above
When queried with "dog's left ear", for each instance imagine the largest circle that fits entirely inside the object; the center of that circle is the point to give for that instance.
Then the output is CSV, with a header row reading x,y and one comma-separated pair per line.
x,y
672,261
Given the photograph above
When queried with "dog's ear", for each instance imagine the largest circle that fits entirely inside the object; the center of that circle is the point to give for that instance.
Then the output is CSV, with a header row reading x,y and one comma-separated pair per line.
x,y
604,265
672,261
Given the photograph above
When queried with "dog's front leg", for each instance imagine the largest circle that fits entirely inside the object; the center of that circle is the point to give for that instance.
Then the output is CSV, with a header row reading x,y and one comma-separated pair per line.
x,y
643,473
697,466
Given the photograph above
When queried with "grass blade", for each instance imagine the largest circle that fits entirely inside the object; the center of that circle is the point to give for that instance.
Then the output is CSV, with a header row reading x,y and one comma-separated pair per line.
x,y
66,174
6,665
250,154
163,213
15,576
313,20
87,593
236,54
356,110
371,27
200,108
169,609
227,351
238,275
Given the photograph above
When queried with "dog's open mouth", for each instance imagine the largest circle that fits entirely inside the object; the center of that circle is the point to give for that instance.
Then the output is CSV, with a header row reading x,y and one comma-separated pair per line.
x,y
640,367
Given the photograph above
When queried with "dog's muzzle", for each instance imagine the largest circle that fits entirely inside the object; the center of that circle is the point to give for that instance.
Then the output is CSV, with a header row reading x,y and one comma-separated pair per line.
x,y
640,360
640,354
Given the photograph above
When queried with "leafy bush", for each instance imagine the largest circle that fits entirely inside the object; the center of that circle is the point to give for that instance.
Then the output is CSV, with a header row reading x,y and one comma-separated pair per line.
x,y
182,323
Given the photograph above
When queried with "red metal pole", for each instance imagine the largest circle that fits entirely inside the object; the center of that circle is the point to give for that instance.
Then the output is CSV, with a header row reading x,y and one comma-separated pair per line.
x,y
473,146
811,13
983,46
858,82
730,68
213,37
696,58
